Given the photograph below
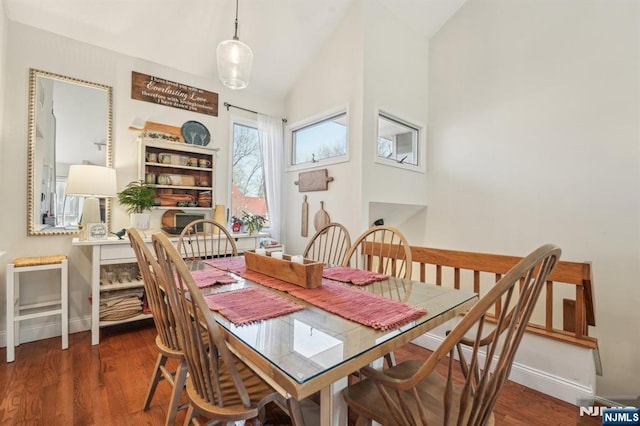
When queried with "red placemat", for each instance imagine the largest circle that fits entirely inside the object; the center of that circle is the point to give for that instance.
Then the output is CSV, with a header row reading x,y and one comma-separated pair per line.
x,y
352,275
360,306
210,277
249,305
231,264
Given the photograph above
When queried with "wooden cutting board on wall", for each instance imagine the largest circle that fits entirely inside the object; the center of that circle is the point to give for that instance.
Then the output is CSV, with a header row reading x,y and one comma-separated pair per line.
x,y
315,180
321,218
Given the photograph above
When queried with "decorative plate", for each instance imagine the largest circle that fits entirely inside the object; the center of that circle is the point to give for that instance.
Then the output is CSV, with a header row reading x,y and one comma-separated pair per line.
x,y
195,133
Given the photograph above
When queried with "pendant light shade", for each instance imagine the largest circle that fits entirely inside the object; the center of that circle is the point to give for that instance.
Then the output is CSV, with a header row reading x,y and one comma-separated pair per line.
x,y
234,61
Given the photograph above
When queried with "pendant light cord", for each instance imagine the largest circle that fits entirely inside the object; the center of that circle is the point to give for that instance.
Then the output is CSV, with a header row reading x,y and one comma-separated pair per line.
x,y
235,34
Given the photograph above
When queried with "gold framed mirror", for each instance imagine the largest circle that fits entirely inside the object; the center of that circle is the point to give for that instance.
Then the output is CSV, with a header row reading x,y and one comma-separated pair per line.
x,y
70,122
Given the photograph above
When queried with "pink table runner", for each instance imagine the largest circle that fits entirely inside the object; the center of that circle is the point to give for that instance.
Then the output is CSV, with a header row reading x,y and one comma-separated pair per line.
x,y
249,305
354,276
348,302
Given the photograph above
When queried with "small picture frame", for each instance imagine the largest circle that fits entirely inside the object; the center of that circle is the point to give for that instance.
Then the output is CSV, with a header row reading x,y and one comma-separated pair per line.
x,y
96,231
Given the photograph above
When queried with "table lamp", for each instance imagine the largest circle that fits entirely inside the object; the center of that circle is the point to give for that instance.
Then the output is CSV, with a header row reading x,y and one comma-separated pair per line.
x,y
91,182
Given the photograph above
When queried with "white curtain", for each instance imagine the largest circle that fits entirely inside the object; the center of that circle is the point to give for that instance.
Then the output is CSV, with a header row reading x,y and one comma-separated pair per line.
x,y
271,143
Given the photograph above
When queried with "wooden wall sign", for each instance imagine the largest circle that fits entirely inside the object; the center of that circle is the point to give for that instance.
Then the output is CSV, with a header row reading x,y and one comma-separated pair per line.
x,y
169,93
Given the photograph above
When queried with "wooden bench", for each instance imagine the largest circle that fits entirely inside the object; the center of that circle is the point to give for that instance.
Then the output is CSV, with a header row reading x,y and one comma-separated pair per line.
x,y
476,272
578,313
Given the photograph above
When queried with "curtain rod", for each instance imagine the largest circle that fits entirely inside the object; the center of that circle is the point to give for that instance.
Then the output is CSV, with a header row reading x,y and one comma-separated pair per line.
x,y
228,105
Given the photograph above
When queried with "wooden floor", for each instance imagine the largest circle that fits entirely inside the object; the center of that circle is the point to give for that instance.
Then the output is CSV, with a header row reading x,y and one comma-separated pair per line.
x,y
106,385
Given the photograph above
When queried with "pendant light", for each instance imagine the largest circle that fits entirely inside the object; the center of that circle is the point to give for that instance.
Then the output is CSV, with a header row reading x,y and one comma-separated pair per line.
x,y
234,61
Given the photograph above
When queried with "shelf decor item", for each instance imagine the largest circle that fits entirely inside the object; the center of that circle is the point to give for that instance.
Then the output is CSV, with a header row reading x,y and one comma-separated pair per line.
x,y
180,179
195,133
138,197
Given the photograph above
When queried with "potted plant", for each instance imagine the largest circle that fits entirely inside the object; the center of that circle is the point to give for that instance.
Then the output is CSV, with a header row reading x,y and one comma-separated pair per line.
x,y
236,224
138,197
253,222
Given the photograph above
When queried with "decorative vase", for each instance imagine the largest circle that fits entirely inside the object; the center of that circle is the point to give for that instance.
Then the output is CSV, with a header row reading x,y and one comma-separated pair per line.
x,y
219,215
139,220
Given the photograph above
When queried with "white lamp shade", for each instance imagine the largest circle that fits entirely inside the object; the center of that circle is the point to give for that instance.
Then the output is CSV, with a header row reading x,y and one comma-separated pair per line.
x,y
234,63
91,181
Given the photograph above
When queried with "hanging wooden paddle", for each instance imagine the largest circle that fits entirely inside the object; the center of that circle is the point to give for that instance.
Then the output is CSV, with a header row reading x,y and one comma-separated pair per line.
x,y
321,218
304,224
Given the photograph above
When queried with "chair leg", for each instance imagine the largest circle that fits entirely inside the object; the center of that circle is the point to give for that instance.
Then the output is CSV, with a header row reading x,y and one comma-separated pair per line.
x,y
391,359
16,309
295,412
10,299
189,416
178,385
157,376
64,303
363,421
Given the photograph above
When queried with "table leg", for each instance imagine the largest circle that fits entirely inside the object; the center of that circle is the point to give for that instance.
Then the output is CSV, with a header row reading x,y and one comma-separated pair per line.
x,y
333,409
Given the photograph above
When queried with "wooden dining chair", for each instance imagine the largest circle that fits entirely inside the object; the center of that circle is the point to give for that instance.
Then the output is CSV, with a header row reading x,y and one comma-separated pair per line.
x,y
329,244
206,239
382,249
413,393
167,339
219,385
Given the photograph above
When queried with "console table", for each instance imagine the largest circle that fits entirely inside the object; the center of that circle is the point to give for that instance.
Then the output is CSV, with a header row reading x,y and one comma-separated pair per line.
x,y
114,252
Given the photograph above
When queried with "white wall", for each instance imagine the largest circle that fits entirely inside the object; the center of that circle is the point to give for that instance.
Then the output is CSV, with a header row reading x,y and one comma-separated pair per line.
x,y
535,137
363,65
28,47
332,80
395,80
3,50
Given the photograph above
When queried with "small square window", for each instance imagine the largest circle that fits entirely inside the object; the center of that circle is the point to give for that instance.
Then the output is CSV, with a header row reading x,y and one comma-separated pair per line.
x,y
398,141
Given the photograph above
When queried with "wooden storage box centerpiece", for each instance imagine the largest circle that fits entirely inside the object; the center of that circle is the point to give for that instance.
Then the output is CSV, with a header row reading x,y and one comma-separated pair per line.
x,y
307,274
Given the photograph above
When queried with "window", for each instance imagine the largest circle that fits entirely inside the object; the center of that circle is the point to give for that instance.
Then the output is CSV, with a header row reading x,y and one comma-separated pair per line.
x,y
324,139
397,141
247,173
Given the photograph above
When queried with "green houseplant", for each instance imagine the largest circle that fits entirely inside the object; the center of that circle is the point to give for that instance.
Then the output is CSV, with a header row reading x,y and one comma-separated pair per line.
x,y
138,198
253,222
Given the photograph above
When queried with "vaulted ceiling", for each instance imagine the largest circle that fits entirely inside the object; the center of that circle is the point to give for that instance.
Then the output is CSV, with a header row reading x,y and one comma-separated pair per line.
x,y
183,34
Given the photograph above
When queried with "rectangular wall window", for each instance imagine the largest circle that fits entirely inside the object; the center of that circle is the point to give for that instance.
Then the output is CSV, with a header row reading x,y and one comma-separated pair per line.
x,y
320,140
247,173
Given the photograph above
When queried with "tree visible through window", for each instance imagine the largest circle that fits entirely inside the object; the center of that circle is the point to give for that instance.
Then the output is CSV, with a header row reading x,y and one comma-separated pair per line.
x,y
247,181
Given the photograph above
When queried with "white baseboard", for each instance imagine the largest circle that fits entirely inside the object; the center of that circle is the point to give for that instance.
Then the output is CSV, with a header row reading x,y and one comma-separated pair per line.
x,y
31,333
547,383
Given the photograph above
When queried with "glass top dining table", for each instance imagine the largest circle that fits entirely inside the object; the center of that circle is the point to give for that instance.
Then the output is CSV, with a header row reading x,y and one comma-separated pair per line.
x,y
314,350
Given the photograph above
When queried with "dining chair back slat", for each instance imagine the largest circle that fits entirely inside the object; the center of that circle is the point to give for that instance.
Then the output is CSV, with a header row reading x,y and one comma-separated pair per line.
x,y
413,393
382,249
206,239
329,244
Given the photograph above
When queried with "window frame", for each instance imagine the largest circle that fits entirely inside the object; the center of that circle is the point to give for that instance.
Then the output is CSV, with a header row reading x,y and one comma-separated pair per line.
x,y
247,122
421,144
308,122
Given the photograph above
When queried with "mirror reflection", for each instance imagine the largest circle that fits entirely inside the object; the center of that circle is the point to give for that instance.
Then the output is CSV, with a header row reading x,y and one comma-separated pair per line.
x,y
69,123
